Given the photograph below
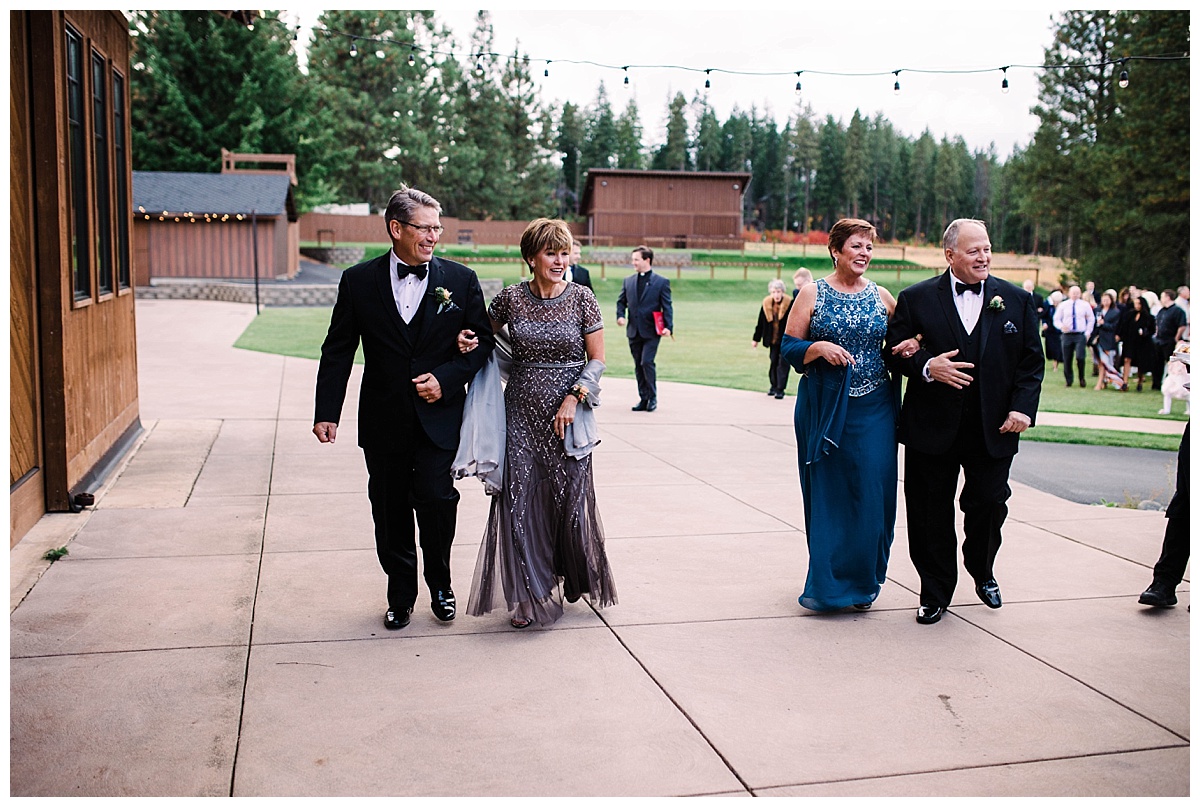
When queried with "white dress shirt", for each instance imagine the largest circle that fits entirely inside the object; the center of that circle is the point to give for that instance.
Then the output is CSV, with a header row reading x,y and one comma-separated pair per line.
x,y
409,291
1084,318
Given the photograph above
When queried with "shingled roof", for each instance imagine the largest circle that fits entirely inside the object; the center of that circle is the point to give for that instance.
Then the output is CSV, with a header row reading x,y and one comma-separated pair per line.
x,y
178,192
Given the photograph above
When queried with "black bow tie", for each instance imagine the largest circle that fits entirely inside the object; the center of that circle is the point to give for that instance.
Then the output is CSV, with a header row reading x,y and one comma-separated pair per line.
x,y
418,270
976,287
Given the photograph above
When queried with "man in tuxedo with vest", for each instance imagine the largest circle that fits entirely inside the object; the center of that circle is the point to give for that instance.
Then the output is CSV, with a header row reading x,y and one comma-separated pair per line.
x,y
973,387
407,308
644,293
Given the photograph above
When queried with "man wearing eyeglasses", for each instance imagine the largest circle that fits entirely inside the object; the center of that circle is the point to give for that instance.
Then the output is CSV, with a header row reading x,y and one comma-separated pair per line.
x,y
406,307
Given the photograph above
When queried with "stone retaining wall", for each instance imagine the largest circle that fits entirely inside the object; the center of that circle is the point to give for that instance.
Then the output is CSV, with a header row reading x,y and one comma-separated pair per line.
x,y
276,295
335,255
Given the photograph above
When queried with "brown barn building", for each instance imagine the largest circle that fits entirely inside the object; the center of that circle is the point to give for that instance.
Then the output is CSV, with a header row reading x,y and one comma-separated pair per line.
x,y
190,225
664,208
73,397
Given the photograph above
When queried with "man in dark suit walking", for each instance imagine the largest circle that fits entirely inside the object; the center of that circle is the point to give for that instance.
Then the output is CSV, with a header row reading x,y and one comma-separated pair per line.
x,y
407,308
973,387
575,272
645,293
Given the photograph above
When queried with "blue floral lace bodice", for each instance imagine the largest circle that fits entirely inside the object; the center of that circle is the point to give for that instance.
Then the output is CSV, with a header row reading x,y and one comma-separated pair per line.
x,y
857,322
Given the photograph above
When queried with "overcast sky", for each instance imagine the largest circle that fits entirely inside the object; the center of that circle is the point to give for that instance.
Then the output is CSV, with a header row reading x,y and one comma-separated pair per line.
x,y
755,38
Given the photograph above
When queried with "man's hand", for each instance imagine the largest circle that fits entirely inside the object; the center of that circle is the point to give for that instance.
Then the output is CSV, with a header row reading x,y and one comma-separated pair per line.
x,y
1016,422
326,432
944,369
429,389
620,320
666,332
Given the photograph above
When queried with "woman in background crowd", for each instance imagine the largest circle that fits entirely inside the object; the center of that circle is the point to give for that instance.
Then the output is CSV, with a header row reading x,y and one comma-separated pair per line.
x,y
772,319
1135,331
1104,337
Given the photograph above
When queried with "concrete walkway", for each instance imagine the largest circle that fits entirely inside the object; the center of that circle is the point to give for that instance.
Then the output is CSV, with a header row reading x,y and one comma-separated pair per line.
x,y
217,626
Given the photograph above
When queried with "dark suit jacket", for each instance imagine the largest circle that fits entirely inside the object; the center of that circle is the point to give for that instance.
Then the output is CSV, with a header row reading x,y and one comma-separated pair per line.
x,y
396,353
1009,371
657,297
581,276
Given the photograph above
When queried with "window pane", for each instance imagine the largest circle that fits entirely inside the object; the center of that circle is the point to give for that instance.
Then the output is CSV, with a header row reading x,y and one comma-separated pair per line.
x,y
104,261
77,195
121,181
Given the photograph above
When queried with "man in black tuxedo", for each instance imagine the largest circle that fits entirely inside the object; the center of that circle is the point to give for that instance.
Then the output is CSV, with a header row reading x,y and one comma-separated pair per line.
x,y
407,308
575,272
644,293
973,387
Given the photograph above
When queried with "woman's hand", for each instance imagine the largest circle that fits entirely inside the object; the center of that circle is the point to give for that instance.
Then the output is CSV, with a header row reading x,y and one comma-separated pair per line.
x,y
467,341
565,415
907,348
831,352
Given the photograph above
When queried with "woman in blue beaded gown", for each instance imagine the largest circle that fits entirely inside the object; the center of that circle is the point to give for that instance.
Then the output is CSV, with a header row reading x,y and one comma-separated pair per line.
x,y
544,540
845,419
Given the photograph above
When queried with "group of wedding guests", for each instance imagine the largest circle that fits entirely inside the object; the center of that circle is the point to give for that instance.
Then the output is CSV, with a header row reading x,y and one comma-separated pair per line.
x,y
1130,333
968,343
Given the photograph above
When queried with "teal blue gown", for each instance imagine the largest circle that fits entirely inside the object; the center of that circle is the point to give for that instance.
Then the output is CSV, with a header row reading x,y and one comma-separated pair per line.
x,y
846,435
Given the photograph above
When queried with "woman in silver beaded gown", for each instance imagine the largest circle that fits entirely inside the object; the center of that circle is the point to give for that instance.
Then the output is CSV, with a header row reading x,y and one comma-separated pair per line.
x,y
544,540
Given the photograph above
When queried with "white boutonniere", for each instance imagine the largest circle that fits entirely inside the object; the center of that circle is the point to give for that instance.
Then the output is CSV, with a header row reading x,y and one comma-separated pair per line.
x,y
996,304
442,295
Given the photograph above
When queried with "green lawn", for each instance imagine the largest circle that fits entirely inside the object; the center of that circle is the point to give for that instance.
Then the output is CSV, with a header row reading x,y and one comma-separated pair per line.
x,y
714,322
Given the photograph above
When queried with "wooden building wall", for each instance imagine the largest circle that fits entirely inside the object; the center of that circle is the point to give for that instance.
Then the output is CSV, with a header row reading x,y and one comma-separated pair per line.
x,y
73,358
679,208
223,249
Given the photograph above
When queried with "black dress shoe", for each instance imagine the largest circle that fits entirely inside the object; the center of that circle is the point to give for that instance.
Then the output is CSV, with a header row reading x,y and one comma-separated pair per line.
x,y
779,395
641,407
1160,595
395,620
652,404
443,604
989,592
928,614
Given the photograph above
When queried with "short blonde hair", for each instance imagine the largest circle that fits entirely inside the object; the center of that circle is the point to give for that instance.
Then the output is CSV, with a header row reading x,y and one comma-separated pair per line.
x,y
542,234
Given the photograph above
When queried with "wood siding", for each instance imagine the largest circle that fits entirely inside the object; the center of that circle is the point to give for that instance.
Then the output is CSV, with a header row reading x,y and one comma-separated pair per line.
x,y
82,352
27,494
200,249
676,208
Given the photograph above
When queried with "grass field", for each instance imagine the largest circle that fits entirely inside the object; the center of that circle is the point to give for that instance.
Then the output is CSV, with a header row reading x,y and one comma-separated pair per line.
x,y
714,323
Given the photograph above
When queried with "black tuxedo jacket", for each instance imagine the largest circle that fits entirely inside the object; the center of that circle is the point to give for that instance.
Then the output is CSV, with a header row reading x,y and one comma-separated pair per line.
x,y
581,276
657,297
1009,371
395,353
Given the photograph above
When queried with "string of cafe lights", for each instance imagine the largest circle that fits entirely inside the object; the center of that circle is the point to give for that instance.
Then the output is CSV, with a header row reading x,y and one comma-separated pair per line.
x,y
415,50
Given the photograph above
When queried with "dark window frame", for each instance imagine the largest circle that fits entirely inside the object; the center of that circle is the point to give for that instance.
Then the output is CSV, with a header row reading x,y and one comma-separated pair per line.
x,y
122,210
77,147
102,175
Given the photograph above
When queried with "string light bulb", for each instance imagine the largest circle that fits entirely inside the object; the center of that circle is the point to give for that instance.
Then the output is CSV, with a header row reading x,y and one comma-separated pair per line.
x,y
798,72
411,59
1004,83
1123,81
626,82
707,83
546,72
353,49
896,86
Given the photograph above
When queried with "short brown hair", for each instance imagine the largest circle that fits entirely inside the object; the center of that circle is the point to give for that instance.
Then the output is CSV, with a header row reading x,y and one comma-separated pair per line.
x,y
542,234
841,232
645,252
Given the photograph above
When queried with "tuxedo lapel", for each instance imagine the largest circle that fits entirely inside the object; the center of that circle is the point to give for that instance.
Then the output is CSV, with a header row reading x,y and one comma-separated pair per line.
x,y
987,316
946,304
383,282
426,311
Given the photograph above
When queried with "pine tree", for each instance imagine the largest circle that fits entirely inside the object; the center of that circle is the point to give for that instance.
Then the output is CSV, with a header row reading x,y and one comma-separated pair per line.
x,y
600,143
673,154
629,152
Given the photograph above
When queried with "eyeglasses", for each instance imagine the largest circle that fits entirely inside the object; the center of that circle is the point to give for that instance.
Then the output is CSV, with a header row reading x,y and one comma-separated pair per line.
x,y
435,229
